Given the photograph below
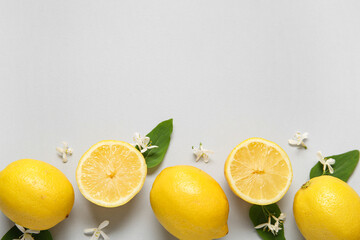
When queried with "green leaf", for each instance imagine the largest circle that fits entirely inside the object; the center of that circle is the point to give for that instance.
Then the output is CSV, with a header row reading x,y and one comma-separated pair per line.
x,y
15,233
260,214
344,166
43,235
159,136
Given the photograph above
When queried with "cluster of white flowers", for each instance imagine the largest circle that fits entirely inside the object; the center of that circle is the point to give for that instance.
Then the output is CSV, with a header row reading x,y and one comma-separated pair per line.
x,y
26,233
143,143
274,228
298,140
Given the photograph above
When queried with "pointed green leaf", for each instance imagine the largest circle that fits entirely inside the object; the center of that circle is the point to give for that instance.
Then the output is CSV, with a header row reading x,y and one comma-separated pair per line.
x,y
344,166
259,215
159,136
43,235
15,233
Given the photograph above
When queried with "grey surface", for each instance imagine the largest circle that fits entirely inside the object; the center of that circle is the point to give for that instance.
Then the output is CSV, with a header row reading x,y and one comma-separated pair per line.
x,y
85,71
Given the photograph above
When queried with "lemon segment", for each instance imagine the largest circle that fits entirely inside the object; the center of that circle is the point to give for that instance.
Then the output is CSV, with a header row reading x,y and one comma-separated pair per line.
x,y
111,173
258,171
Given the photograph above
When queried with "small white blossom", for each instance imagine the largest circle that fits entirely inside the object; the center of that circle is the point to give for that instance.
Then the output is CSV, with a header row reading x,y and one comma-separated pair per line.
x,y
298,139
202,153
26,233
64,151
97,232
326,162
274,228
142,142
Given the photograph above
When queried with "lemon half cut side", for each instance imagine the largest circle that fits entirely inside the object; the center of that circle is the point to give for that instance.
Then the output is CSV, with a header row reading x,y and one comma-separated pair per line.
x,y
258,171
111,173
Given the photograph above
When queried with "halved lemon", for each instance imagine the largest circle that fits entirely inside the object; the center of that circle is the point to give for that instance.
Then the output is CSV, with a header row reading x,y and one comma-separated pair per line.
x,y
111,173
258,171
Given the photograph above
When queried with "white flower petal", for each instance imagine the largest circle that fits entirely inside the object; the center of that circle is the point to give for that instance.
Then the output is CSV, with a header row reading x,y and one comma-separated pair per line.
x,y
282,217
95,236
103,224
293,142
152,146
146,141
261,225
320,156
106,237
330,161
59,150
331,170
208,151
21,228
272,229
89,230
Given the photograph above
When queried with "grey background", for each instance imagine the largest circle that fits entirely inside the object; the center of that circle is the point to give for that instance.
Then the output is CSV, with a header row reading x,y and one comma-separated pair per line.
x,y
85,71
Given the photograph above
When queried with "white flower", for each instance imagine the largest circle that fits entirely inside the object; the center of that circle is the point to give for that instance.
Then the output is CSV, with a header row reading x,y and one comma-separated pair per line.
x,y
98,231
64,151
142,143
202,153
26,233
274,228
326,162
298,139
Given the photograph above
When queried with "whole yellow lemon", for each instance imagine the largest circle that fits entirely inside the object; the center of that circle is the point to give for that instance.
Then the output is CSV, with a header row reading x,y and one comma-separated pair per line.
x,y
189,203
327,208
35,194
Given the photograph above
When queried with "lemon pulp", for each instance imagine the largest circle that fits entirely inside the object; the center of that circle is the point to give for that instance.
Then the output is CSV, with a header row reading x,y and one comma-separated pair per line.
x,y
258,171
111,173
